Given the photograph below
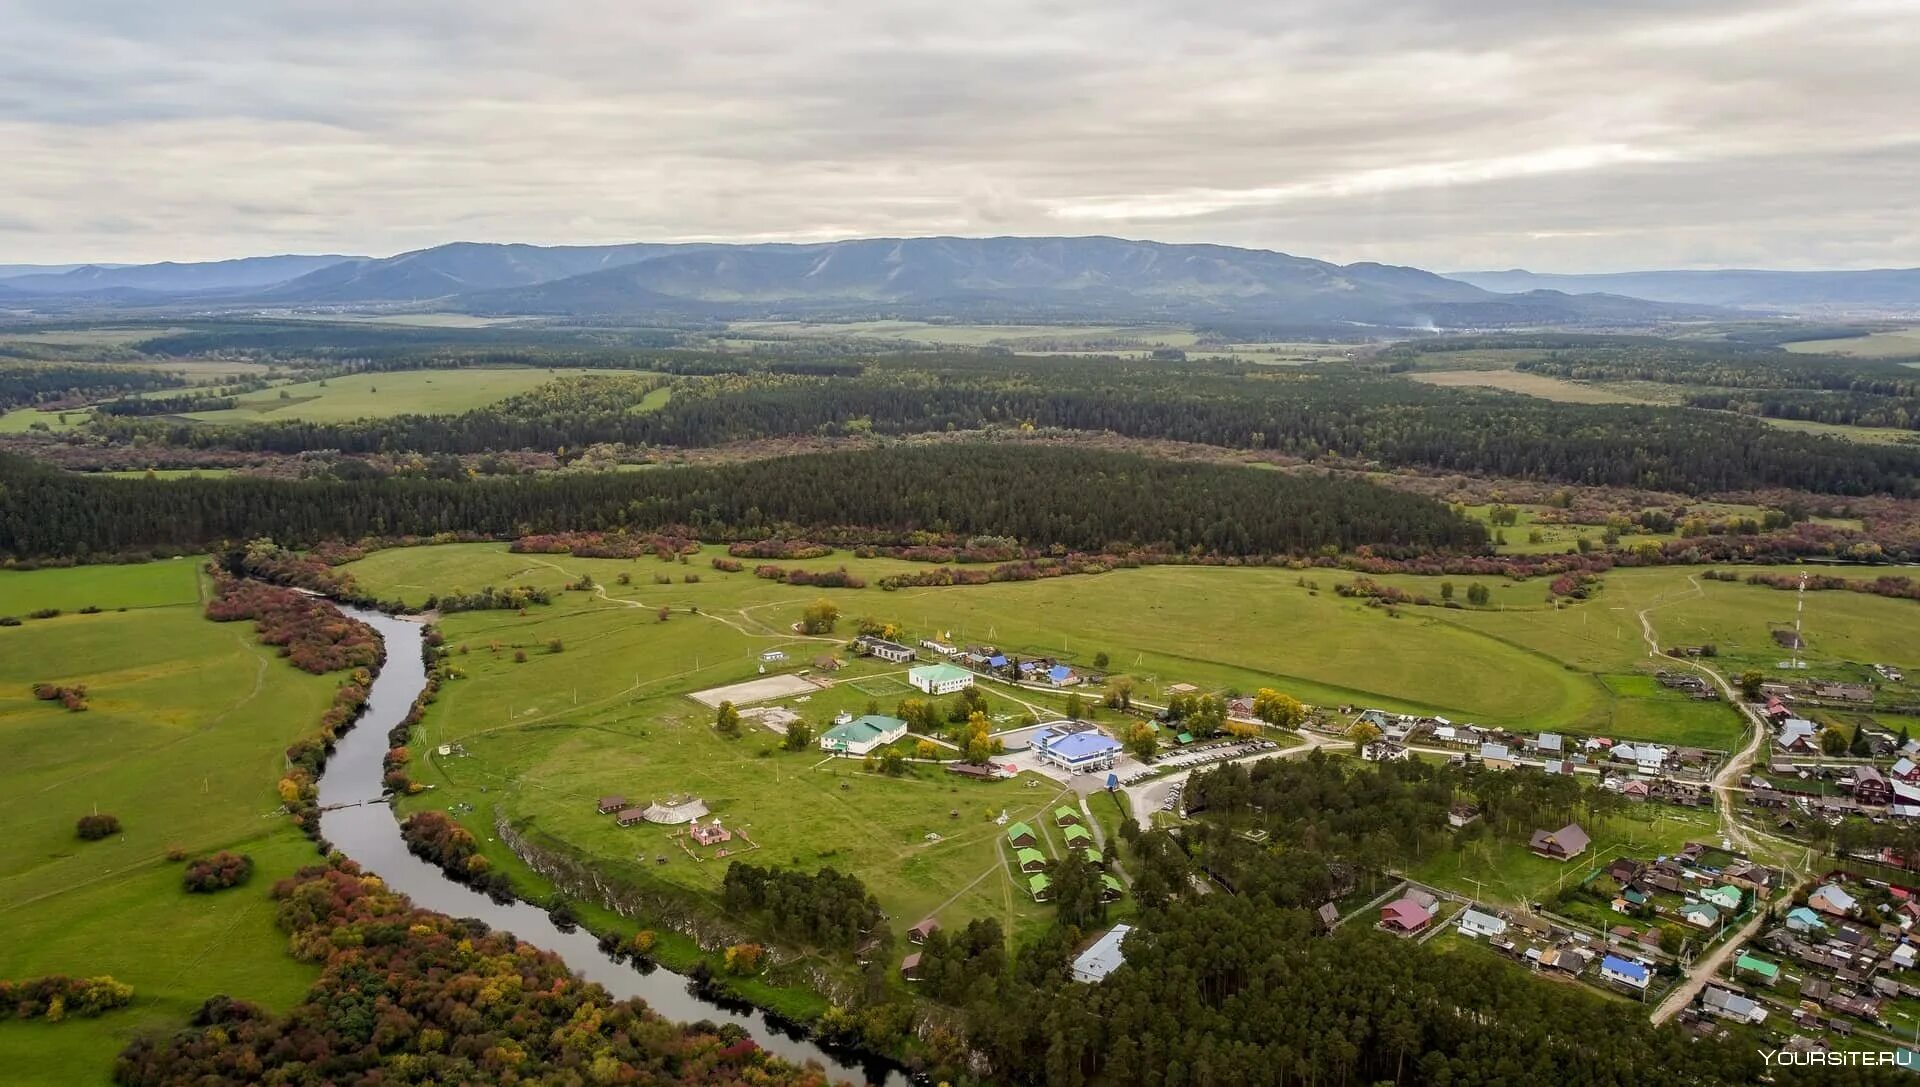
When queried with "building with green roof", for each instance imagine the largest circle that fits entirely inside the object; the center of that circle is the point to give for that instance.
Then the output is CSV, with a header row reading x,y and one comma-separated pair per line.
x,y
1759,968
1031,860
1078,835
939,679
1111,888
862,734
1037,886
1020,835
1094,856
1065,814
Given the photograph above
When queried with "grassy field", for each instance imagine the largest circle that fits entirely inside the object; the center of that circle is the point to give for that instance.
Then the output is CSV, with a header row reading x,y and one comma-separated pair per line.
x,y
365,396
22,420
1520,662
1874,434
1500,868
183,742
1541,385
170,473
1877,345
967,335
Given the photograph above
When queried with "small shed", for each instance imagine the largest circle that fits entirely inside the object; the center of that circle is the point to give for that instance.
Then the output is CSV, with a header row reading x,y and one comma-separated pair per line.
x,y
611,804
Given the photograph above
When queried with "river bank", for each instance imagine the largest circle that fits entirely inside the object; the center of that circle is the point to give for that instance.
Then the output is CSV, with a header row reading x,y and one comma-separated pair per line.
x,y
360,824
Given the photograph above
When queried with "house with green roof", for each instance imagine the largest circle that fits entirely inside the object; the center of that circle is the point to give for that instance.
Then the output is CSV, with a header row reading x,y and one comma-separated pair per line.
x,y
1031,860
1759,969
1111,889
1726,896
1079,835
939,679
1094,856
862,735
1021,836
1037,885
1065,814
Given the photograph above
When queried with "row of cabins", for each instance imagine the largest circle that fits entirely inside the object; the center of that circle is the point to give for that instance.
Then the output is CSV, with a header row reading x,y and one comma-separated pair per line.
x,y
1571,958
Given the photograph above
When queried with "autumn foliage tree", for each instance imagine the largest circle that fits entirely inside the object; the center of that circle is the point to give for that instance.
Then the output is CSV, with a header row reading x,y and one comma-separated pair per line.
x,y
218,872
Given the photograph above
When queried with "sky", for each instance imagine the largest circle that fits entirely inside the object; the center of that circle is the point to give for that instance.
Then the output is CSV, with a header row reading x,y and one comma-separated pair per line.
x,y
1447,134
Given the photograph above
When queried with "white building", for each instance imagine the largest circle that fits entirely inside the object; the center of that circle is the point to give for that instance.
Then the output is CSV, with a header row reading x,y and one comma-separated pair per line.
x,y
1475,923
1103,958
939,679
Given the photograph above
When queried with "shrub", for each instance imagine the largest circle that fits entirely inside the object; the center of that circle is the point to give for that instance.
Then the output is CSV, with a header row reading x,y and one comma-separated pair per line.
x,y
218,872
55,997
99,825
176,853
9,620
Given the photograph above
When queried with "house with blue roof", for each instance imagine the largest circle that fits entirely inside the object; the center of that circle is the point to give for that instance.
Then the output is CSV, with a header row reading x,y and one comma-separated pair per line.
x,y
1061,676
1802,919
1076,747
1624,971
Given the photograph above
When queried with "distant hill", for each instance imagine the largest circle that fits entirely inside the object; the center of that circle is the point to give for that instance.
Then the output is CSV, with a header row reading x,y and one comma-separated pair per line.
x,y
1892,287
246,273
455,269
1011,278
9,271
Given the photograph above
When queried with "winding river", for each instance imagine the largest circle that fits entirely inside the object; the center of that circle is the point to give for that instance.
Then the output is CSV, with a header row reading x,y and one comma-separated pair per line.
x,y
370,834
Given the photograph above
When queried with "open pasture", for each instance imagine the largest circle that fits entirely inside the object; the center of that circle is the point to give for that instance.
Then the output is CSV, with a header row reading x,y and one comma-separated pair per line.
x,y
1896,343
373,395
1519,662
183,741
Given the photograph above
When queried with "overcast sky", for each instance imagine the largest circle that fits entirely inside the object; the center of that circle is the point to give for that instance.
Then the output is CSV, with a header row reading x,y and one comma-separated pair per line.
x,y
1450,134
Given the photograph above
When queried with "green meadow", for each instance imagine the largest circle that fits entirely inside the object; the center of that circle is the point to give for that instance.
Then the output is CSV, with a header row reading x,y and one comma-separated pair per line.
x,y
182,741
374,395
1521,662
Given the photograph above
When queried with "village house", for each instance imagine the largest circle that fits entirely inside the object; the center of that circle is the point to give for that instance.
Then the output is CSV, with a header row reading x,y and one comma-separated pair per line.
x,y
1798,735
910,966
1496,757
1905,769
1021,836
1462,814
1726,896
1832,900
610,804
1843,692
1725,1004
1410,914
918,934
1700,914
1560,845
1636,790
630,816
939,679
1625,972
1870,787
1031,860
1385,751
1065,815
1475,923
868,645
1039,886
862,735
1757,969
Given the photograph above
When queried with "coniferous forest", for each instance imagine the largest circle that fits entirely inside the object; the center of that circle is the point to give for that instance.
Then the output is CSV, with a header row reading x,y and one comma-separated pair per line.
x,y
1078,499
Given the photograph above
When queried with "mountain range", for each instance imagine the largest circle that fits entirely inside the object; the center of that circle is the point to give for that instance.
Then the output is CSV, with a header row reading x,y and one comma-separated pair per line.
x,y
1008,278
1736,287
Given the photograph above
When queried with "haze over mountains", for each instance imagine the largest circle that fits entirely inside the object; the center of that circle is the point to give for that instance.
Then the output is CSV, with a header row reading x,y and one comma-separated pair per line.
x,y
1007,278
1743,287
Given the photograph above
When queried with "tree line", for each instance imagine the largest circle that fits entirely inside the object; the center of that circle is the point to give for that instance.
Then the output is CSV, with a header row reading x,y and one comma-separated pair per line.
x,y
1321,415
1072,498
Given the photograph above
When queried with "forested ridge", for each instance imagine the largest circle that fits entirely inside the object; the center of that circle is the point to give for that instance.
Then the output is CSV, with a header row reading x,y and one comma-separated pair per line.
x,y
1045,496
1338,415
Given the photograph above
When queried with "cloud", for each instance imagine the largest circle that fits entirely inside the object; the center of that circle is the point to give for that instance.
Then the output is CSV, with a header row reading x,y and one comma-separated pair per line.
x,y
1465,133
